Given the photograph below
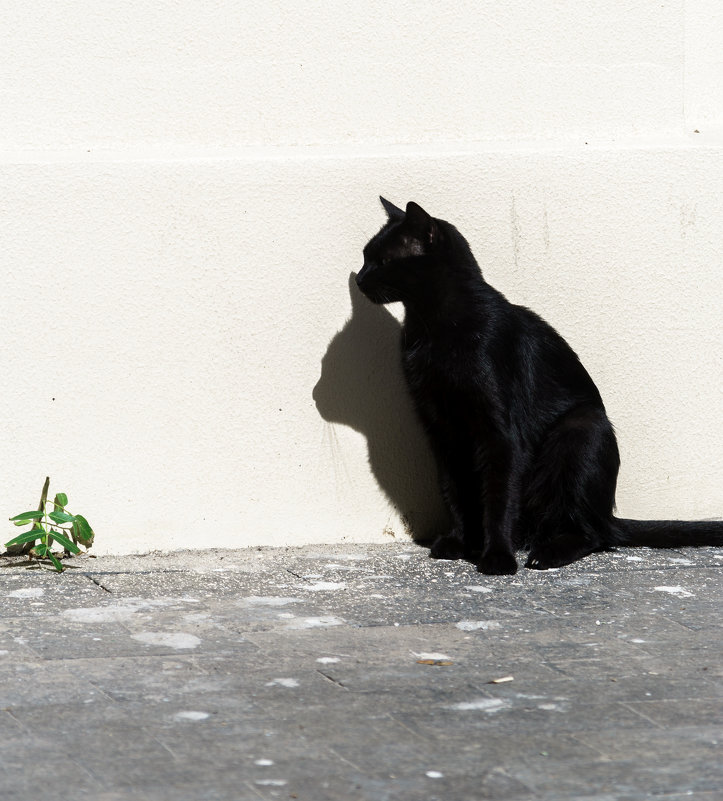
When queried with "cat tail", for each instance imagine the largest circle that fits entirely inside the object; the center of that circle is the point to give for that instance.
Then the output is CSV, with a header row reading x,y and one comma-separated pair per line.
x,y
668,533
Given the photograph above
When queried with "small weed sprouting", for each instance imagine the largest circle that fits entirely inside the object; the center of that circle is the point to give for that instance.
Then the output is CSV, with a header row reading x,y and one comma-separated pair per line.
x,y
50,523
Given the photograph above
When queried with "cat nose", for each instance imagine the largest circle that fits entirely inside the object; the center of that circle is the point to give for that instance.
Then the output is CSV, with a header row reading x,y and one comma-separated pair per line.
x,y
360,275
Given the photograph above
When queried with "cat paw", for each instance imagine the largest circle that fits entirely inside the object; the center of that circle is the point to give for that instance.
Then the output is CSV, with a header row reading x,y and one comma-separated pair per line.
x,y
557,554
535,562
498,563
447,547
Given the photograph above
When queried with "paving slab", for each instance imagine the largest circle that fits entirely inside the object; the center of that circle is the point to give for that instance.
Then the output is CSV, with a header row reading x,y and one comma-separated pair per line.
x,y
361,673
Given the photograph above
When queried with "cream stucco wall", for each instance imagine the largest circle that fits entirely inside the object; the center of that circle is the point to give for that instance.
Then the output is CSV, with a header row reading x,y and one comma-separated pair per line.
x,y
185,189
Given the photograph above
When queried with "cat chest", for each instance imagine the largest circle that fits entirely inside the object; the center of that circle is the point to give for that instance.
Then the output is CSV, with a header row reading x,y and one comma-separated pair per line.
x,y
451,384
444,375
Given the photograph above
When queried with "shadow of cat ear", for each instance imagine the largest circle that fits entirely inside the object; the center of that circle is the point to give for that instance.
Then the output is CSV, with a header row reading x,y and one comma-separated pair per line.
x,y
362,386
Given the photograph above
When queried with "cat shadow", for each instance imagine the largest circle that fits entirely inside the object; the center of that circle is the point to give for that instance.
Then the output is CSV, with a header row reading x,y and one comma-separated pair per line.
x,y
362,386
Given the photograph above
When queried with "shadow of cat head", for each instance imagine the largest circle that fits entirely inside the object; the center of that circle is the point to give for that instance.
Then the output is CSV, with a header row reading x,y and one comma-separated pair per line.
x,y
362,386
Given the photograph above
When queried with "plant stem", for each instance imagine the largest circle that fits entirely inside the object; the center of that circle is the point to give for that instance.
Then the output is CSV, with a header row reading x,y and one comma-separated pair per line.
x,y
26,547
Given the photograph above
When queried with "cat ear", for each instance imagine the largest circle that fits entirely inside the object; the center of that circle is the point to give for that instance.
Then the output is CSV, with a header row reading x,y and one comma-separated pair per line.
x,y
421,223
392,211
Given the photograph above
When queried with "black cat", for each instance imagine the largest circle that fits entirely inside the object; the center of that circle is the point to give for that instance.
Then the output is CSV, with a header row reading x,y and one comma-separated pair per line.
x,y
526,455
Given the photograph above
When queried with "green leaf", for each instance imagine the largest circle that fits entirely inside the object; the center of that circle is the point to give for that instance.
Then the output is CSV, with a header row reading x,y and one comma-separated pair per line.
x,y
82,532
61,500
35,515
29,536
65,542
41,550
56,562
61,517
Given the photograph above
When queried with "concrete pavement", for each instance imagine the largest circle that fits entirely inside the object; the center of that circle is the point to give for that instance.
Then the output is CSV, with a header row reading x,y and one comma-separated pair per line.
x,y
350,672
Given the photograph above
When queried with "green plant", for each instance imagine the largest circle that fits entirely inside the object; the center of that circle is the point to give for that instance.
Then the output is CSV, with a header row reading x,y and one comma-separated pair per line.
x,y
48,527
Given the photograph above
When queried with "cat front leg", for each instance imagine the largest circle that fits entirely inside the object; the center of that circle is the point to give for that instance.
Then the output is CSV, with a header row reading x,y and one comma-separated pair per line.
x,y
497,562
502,517
462,494
449,545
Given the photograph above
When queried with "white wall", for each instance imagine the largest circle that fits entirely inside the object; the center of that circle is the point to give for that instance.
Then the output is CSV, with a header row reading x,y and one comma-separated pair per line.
x,y
232,74
185,189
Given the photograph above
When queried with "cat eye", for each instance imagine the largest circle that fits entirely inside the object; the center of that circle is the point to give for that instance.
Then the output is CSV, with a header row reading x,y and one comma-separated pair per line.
x,y
385,261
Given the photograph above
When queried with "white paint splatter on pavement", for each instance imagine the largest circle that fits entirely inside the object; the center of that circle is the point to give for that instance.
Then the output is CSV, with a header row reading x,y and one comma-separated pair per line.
x,y
101,614
196,617
476,625
113,613
678,591
170,639
434,656
283,682
482,704
314,622
341,557
268,600
26,592
325,586
191,715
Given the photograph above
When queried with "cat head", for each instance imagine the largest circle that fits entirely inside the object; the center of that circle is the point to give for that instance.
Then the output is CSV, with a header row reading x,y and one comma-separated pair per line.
x,y
398,260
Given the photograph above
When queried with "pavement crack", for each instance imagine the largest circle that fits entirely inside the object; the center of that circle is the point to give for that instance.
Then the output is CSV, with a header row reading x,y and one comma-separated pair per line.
x,y
296,575
167,748
344,759
98,583
332,680
255,791
642,714
20,723
417,735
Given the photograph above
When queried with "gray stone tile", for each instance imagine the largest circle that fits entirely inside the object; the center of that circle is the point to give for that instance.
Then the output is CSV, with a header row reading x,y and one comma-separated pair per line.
x,y
282,673
650,777
677,713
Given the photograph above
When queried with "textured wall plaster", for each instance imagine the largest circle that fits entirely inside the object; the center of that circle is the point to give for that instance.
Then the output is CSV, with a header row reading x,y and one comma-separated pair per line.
x,y
185,189
224,73
169,329
703,92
